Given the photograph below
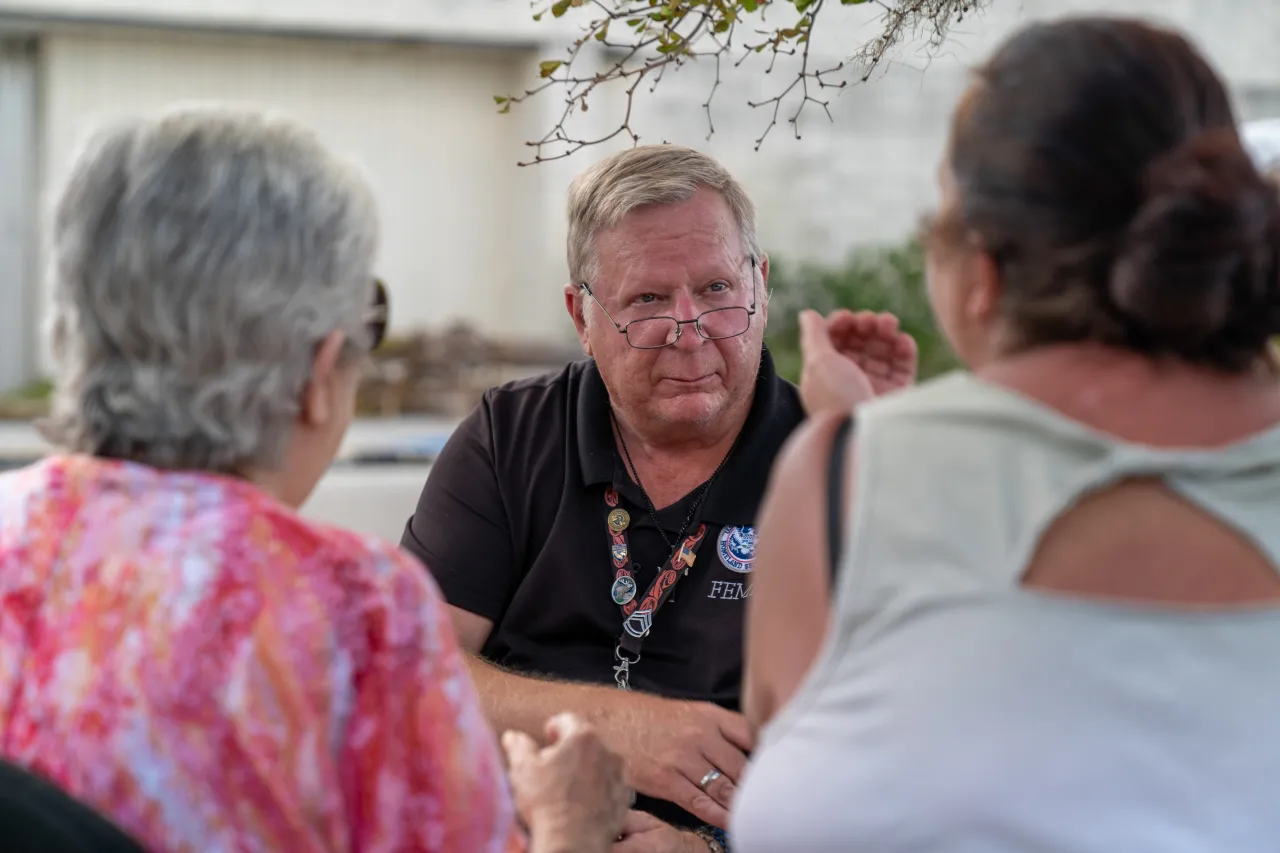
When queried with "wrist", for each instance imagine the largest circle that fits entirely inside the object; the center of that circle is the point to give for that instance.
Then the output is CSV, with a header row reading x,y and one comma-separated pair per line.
x,y
698,841
566,837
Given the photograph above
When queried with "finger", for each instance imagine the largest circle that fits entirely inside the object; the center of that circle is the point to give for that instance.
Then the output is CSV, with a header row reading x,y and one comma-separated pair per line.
x,y
908,357
814,337
719,790
686,794
844,325
847,338
639,822
886,325
874,348
734,727
624,799
520,748
855,329
641,843
842,320
564,726
865,322
722,791
725,757
867,327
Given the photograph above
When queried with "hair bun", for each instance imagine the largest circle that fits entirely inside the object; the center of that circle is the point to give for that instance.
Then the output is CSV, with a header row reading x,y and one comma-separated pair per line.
x,y
1197,267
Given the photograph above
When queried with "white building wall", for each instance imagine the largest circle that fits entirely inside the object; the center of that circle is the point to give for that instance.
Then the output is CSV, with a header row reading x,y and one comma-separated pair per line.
x,y
419,119
19,153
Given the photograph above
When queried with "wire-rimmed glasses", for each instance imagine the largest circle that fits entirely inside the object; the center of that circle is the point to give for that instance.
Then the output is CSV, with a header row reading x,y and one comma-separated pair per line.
x,y
713,325
379,314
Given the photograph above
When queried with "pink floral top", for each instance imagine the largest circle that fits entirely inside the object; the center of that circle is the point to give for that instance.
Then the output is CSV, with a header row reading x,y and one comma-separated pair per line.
x,y
215,674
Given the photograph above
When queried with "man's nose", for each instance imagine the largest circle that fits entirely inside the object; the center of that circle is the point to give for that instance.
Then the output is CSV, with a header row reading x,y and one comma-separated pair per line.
x,y
687,309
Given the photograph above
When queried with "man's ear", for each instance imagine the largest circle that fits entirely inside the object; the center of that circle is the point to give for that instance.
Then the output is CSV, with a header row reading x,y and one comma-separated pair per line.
x,y
575,304
318,401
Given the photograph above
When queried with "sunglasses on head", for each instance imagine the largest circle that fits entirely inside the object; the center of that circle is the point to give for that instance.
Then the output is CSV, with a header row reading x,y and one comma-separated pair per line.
x,y
379,315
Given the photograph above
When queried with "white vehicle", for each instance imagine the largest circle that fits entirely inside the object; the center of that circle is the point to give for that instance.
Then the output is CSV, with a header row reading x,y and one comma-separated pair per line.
x,y
1262,141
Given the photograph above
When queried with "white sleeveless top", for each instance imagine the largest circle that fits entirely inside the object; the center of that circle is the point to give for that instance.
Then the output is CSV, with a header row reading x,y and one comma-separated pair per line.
x,y
952,710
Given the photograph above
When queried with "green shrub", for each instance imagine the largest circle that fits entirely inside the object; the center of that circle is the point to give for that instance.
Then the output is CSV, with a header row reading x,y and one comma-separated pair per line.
x,y
882,279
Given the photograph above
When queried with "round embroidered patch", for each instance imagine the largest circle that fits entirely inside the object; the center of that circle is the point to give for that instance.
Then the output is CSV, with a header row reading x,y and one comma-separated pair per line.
x,y
738,548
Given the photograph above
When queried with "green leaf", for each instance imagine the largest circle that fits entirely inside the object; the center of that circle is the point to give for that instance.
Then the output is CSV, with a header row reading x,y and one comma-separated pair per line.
x,y
548,67
603,32
750,5
559,7
500,99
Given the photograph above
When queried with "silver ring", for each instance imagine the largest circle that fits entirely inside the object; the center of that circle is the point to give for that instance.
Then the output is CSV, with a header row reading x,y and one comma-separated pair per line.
x,y
711,776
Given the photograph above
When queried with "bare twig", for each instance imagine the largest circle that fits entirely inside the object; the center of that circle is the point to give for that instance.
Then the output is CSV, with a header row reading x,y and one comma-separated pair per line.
x,y
650,37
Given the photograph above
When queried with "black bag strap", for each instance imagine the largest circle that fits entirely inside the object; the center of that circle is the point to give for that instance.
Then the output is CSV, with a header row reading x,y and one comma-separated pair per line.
x,y
835,492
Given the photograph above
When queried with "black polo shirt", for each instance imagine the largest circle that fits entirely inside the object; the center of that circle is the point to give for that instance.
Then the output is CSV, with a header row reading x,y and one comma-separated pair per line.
x,y
513,525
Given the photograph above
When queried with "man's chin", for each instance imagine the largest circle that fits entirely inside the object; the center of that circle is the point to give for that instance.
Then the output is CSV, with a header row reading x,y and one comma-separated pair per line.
x,y
695,407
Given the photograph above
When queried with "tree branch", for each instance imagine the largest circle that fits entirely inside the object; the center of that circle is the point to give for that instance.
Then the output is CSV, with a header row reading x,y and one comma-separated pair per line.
x,y
648,37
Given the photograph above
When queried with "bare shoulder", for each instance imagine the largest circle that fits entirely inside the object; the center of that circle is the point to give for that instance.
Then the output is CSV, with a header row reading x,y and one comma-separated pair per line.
x,y
787,612
802,463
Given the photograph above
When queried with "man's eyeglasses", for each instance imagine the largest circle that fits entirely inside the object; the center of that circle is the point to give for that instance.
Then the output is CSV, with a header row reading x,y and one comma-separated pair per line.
x,y
658,332
379,315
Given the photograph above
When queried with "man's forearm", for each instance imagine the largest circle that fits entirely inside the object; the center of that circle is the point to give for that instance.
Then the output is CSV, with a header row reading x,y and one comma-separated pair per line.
x,y
525,703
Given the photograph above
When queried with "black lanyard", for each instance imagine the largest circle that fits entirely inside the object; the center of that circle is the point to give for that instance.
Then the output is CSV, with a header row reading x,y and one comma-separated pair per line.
x,y
638,614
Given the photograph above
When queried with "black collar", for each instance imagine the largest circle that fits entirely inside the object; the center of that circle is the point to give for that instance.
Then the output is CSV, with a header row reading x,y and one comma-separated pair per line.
x,y
737,492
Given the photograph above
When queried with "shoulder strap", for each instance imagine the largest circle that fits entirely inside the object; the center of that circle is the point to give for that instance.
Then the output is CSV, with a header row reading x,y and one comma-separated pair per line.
x,y
835,492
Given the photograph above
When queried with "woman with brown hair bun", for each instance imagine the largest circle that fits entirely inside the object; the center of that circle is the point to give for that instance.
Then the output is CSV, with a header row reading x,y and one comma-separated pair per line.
x,y
1039,606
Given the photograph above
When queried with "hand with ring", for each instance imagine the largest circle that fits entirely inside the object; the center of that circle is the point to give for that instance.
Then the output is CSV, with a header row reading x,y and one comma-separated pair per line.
x,y
669,745
716,785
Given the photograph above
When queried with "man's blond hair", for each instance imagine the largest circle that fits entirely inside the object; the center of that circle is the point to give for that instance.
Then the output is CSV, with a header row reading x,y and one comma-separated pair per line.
x,y
601,196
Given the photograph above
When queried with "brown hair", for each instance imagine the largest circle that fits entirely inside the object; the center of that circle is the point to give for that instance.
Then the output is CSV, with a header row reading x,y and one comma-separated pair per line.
x,y
1097,161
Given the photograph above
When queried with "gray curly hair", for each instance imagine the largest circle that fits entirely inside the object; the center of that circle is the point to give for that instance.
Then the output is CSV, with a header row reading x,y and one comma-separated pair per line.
x,y
198,259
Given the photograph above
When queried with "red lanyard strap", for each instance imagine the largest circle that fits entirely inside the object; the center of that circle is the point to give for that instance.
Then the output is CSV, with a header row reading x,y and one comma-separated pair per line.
x,y
638,617
624,582
636,626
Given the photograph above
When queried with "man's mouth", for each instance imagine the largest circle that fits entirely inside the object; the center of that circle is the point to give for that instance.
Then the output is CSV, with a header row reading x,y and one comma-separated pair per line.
x,y
697,380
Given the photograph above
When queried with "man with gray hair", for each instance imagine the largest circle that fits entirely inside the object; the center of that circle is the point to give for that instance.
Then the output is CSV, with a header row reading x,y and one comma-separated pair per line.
x,y
594,529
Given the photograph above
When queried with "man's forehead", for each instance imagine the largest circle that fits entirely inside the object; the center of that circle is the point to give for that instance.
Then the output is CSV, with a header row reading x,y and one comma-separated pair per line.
x,y
659,269
705,216
694,253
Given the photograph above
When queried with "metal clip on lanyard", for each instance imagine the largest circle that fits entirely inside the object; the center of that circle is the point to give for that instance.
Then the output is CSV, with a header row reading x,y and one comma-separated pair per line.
x,y
638,618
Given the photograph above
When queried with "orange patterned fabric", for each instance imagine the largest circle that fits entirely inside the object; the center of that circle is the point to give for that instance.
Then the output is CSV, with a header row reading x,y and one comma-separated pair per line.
x,y
215,674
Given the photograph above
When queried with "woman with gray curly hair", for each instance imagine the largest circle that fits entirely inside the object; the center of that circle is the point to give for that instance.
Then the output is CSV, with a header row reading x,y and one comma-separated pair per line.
x,y
178,648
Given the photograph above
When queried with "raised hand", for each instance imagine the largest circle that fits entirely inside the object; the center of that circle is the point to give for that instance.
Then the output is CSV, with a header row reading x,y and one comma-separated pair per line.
x,y
874,342
851,357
